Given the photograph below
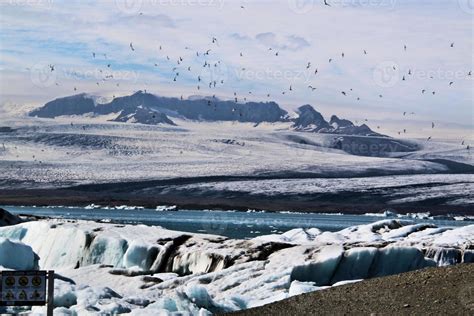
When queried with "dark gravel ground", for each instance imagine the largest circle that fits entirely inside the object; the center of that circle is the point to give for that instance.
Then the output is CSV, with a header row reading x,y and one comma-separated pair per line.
x,y
432,291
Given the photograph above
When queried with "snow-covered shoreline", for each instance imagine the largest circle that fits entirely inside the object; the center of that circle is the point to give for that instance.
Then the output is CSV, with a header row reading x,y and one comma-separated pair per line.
x,y
145,270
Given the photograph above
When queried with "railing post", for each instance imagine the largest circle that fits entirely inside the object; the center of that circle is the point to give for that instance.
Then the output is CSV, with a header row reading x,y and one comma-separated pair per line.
x,y
50,302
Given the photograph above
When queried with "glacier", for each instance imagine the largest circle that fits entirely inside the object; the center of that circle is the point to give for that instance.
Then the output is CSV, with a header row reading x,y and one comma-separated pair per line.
x,y
106,268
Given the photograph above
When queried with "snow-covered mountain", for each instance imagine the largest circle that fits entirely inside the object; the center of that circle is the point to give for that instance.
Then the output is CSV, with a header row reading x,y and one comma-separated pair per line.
x,y
143,115
202,109
310,120
146,108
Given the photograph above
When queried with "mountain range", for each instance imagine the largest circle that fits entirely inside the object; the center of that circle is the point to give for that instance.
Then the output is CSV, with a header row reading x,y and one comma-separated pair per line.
x,y
146,108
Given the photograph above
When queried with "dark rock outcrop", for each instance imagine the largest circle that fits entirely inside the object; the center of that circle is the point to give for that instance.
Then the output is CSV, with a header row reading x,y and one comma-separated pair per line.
x,y
8,219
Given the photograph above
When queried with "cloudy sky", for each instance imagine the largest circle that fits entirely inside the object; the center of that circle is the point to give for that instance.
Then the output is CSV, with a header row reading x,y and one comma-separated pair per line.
x,y
37,33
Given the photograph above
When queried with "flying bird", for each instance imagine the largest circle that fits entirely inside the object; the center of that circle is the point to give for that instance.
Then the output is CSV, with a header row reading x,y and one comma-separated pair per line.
x,y
131,47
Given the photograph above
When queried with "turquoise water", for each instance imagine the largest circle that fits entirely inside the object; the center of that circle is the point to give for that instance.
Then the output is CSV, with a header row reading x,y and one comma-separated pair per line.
x,y
226,223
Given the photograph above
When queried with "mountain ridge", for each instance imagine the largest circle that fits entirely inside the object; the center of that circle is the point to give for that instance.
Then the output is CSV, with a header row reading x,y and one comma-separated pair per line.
x,y
146,108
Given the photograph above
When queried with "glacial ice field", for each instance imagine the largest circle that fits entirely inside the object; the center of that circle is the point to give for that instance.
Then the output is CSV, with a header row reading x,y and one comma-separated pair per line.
x,y
53,153
106,268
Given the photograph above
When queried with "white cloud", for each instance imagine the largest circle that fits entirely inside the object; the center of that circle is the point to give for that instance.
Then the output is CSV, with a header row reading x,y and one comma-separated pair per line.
x,y
65,33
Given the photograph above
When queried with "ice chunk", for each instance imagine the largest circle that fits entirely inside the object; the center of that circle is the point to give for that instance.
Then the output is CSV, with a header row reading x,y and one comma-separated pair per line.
x,y
64,294
63,311
140,256
445,256
297,288
392,260
17,256
106,250
322,269
355,264
196,262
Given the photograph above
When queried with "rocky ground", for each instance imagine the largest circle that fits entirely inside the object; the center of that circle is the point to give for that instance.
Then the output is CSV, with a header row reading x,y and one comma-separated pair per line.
x,y
431,291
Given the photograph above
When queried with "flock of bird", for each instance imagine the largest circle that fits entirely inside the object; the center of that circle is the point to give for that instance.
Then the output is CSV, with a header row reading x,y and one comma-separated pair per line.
x,y
178,66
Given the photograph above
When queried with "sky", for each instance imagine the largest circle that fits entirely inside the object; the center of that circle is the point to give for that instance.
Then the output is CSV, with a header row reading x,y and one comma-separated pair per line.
x,y
35,34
